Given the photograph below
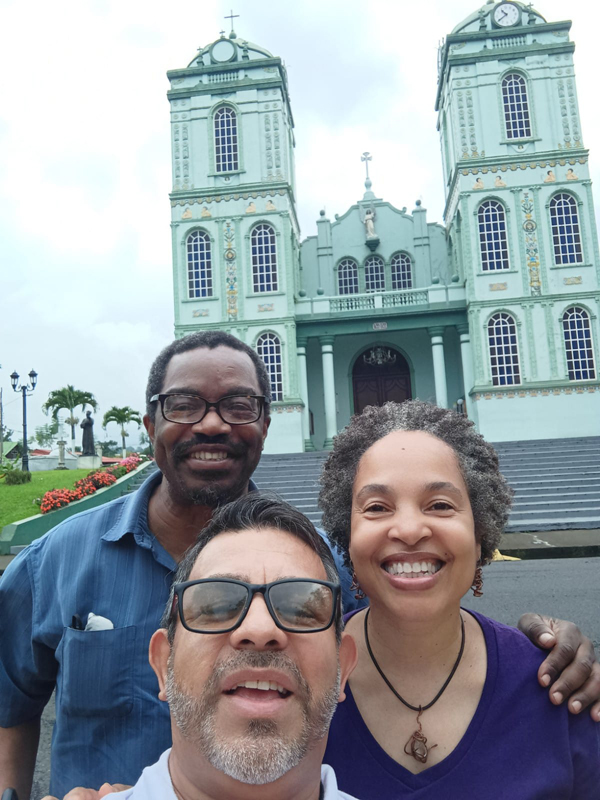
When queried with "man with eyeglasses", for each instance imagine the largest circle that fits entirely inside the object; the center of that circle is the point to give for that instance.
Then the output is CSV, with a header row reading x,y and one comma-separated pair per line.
x,y
207,413
252,660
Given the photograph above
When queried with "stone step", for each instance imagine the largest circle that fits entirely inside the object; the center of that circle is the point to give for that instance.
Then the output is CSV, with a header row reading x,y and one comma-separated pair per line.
x,y
550,523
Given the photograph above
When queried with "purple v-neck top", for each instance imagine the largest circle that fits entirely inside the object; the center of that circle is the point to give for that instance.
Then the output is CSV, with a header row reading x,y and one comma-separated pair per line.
x,y
518,746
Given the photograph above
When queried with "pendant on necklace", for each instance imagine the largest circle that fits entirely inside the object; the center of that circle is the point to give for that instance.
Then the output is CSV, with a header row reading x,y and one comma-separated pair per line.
x,y
416,746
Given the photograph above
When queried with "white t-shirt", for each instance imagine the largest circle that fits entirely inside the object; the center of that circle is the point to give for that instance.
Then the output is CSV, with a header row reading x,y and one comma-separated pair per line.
x,y
155,784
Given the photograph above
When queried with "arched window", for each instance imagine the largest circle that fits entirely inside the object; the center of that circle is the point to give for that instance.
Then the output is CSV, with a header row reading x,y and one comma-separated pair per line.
x,y
347,277
268,348
566,235
226,140
199,265
492,236
516,106
264,259
578,344
401,271
504,351
374,274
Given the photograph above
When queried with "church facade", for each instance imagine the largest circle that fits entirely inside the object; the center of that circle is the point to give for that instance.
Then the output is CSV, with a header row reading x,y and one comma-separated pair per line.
x,y
494,313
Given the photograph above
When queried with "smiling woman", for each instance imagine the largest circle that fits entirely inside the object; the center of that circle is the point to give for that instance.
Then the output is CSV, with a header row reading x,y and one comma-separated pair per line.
x,y
415,499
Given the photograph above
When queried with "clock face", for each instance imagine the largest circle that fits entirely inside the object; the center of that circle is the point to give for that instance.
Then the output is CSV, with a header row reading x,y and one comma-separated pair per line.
x,y
223,50
506,14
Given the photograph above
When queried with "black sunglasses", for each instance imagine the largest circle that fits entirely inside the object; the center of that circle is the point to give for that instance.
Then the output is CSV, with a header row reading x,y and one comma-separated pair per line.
x,y
219,605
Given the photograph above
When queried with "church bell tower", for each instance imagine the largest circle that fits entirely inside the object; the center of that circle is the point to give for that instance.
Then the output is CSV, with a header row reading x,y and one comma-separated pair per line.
x,y
234,224
520,221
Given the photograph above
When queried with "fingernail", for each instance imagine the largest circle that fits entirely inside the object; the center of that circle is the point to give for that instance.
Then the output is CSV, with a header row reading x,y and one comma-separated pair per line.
x,y
546,637
545,680
558,697
576,706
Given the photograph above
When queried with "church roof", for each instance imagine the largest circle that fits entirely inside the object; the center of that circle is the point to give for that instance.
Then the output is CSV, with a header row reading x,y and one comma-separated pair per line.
x,y
463,26
254,51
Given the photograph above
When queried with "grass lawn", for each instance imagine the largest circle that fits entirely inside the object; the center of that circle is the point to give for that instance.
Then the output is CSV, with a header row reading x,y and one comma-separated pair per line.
x,y
17,502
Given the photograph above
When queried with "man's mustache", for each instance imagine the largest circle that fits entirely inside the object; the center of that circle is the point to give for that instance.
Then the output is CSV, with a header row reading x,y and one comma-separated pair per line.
x,y
261,659
181,450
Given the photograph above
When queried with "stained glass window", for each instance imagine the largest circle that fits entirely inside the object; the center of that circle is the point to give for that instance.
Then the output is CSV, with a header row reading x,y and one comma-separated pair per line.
x,y
578,344
226,140
264,259
374,274
268,348
347,277
566,234
504,350
493,241
401,271
199,265
516,107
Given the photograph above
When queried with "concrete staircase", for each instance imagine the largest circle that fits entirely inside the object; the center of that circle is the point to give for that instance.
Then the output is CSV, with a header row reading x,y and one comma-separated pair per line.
x,y
556,482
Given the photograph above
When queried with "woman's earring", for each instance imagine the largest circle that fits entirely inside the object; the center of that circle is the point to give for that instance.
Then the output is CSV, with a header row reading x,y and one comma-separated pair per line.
x,y
355,586
477,587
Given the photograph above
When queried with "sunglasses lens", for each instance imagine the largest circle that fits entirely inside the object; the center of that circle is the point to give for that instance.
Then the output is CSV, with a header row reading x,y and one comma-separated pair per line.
x,y
302,605
213,606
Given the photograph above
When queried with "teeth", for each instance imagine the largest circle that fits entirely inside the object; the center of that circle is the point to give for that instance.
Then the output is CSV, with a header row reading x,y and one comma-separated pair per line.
x,y
204,455
264,686
417,569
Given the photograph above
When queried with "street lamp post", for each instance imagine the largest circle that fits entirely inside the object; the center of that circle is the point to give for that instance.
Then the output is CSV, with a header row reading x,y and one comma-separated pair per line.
x,y
28,387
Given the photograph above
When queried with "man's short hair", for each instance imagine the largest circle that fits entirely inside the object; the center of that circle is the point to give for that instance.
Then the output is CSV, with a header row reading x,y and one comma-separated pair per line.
x,y
252,511
209,340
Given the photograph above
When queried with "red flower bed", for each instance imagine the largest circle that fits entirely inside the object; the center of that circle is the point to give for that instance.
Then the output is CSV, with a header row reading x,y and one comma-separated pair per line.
x,y
99,479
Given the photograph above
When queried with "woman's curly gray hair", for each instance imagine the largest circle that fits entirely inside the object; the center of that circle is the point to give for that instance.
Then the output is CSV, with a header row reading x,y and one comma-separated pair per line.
x,y
489,493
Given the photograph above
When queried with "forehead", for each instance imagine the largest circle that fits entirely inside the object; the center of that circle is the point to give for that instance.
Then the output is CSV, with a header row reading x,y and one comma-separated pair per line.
x,y
414,454
258,556
211,372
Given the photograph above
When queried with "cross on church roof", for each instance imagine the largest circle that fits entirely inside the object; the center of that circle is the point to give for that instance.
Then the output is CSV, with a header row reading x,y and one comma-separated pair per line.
x,y
232,16
366,157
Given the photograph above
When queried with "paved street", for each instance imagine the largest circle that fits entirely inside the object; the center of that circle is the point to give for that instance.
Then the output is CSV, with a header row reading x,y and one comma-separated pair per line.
x,y
568,588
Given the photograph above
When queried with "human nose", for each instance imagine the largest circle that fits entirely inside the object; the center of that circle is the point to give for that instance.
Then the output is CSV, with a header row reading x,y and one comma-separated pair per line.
x,y
258,630
409,525
211,423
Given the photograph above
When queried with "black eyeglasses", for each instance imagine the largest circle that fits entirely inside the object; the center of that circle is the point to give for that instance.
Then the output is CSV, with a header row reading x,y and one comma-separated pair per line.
x,y
219,605
188,409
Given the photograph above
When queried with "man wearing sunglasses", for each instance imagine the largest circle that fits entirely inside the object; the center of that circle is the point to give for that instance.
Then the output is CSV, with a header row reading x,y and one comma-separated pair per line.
x,y
252,660
208,413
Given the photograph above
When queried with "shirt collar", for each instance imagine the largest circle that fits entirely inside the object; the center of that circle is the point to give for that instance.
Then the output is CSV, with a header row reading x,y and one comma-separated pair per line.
x,y
134,516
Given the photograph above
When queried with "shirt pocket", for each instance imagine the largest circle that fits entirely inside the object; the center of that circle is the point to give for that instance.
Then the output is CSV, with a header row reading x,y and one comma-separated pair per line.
x,y
97,669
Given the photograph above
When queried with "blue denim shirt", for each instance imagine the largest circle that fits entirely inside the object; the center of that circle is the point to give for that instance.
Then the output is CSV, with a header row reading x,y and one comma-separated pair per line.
x,y
110,723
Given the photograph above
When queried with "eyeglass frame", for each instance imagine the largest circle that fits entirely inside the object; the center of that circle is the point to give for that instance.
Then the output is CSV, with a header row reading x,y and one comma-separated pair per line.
x,y
162,397
253,589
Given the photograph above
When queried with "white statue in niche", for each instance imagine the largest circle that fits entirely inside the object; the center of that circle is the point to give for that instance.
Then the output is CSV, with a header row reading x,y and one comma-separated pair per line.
x,y
370,224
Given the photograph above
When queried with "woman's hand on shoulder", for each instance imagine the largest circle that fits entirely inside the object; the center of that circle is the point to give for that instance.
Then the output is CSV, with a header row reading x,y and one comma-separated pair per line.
x,y
571,669
80,793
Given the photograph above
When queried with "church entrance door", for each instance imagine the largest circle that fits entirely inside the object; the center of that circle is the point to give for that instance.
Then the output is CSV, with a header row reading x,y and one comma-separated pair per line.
x,y
380,374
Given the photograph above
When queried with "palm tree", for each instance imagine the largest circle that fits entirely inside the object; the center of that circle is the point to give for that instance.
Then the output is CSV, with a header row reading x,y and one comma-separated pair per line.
x,y
122,416
69,398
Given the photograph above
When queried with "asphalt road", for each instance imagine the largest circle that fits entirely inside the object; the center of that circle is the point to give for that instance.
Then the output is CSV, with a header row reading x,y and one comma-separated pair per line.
x,y
567,588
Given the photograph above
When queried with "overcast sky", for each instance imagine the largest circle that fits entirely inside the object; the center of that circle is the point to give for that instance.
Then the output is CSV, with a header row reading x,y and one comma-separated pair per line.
x,y
85,248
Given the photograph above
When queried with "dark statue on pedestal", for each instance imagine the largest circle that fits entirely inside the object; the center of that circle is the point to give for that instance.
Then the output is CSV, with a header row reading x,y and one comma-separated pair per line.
x,y
87,442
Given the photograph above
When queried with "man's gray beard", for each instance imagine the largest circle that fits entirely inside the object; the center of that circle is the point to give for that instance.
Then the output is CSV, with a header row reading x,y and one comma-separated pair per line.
x,y
260,755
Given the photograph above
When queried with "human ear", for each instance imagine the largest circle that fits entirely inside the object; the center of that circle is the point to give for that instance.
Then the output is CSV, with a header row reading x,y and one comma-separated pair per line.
x,y
348,656
149,425
158,655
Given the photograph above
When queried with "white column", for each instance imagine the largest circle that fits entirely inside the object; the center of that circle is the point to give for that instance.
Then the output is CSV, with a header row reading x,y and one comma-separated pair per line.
x,y
439,366
467,366
328,390
303,388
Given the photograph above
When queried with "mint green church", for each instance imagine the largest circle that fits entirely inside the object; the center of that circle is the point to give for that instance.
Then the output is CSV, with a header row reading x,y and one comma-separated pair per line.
x,y
494,313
